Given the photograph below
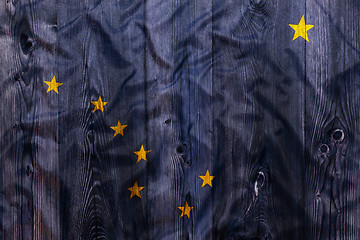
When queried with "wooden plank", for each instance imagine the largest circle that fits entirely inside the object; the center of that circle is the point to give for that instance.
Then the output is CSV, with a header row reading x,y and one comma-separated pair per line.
x,y
333,118
285,103
259,131
27,185
165,173
180,118
97,168
12,138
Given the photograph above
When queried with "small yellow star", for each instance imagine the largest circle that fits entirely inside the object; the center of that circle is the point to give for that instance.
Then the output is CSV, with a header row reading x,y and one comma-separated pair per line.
x,y
207,179
99,104
53,85
185,210
119,129
301,29
142,154
135,190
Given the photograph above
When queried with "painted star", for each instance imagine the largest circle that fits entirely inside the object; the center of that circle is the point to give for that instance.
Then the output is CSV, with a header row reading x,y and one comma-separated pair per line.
x,y
99,104
207,179
301,29
185,210
119,129
135,190
142,154
53,85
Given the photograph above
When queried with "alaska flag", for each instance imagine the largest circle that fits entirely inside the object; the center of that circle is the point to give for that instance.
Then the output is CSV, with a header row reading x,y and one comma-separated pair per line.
x,y
179,119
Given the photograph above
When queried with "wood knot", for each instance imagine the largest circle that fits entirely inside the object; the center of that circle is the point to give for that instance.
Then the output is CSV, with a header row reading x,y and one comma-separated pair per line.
x,y
188,163
26,43
91,136
29,171
17,77
324,149
181,149
338,135
259,182
259,6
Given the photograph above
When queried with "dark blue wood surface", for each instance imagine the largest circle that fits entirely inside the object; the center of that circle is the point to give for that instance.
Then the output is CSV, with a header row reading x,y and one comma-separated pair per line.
x,y
205,85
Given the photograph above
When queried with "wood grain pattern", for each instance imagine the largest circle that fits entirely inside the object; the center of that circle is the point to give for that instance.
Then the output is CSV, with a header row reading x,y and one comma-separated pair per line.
x,y
205,85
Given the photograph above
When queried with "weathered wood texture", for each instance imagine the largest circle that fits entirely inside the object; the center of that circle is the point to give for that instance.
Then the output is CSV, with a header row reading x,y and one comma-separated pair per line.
x,y
206,85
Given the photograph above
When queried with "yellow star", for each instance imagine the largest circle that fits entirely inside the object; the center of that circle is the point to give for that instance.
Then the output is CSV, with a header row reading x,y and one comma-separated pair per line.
x,y
119,129
185,210
135,190
142,154
53,85
301,29
99,104
207,179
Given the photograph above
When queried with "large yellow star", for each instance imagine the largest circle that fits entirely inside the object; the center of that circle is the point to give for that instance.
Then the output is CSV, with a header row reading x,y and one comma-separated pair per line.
x,y
53,85
99,104
185,210
207,179
301,29
142,154
135,190
119,129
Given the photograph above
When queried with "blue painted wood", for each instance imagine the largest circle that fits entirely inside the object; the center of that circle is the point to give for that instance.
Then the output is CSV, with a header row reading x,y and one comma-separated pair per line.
x,y
205,85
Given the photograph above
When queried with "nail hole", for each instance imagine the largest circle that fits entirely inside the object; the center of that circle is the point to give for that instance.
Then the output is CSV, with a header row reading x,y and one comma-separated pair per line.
x,y
15,125
338,135
168,121
181,149
324,148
